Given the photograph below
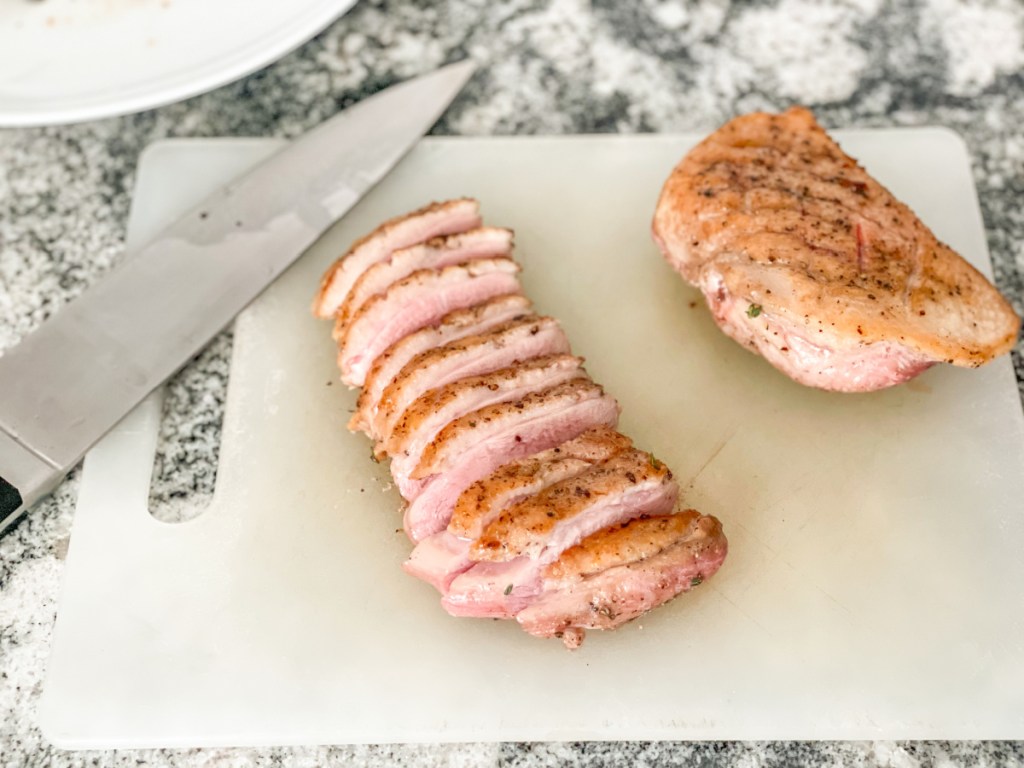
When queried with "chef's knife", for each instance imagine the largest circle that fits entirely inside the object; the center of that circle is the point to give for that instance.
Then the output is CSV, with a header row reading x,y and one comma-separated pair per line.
x,y
65,385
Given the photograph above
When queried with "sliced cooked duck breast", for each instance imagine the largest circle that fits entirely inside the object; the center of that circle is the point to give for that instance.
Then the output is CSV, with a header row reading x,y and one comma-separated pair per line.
x,y
517,340
430,221
482,242
419,300
472,448
430,412
525,537
517,480
441,557
455,325
549,519
522,498
623,572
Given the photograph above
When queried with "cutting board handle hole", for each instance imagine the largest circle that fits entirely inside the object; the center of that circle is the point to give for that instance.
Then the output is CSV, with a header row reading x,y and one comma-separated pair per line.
x,y
188,446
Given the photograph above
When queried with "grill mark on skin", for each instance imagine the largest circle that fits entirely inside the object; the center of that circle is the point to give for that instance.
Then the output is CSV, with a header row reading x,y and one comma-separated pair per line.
x,y
914,278
801,198
860,248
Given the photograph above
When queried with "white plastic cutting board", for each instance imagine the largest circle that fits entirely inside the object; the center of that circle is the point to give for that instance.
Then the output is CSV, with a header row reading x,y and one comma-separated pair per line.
x,y
874,586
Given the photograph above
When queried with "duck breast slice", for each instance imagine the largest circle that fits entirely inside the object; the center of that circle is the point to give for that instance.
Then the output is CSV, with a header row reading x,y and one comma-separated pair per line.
x,y
419,300
539,529
430,221
517,340
438,252
463,453
441,557
431,411
804,258
623,572
455,325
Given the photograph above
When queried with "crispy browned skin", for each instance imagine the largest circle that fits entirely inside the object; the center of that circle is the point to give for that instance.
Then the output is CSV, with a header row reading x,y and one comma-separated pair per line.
x,y
494,383
625,543
781,212
523,526
485,412
462,433
500,337
477,503
454,325
620,573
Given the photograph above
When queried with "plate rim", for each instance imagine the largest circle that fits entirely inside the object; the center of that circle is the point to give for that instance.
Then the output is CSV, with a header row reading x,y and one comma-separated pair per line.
x,y
182,82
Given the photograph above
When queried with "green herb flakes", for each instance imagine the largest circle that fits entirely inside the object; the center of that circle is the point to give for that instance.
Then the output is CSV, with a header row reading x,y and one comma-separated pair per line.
x,y
508,590
754,310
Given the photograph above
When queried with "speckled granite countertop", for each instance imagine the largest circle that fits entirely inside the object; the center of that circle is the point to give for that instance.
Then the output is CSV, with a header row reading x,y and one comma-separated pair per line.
x,y
563,66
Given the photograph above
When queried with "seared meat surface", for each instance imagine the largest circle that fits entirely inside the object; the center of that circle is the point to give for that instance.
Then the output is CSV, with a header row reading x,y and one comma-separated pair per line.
x,y
806,259
520,479
515,547
431,221
414,302
431,412
434,254
521,338
475,445
523,500
456,325
621,573
528,527
441,557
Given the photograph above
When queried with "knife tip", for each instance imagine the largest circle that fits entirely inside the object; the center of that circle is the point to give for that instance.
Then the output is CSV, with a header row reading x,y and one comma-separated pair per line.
x,y
463,68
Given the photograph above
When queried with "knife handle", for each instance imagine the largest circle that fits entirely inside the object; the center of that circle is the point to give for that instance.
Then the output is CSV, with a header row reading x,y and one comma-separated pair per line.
x,y
25,478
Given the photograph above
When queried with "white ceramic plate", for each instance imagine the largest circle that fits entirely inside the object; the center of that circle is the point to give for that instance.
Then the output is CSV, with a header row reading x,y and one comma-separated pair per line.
x,y
64,61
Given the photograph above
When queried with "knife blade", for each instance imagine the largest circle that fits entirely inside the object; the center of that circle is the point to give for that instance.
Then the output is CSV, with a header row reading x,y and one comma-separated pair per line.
x,y
66,384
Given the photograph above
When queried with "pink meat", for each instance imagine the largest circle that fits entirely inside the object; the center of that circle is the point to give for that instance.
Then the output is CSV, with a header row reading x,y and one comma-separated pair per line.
x,y
841,365
432,411
431,221
548,422
441,557
570,604
523,500
452,327
417,301
500,589
511,482
482,242
807,260
519,339
438,559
